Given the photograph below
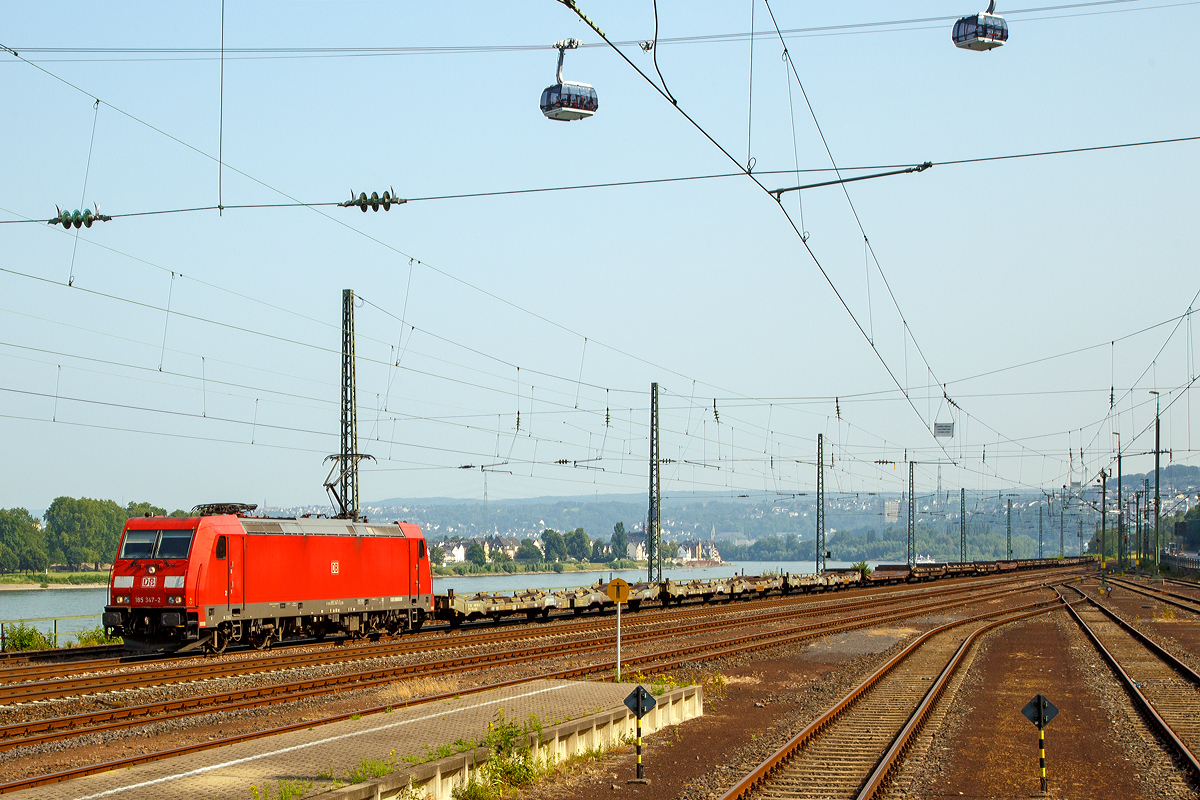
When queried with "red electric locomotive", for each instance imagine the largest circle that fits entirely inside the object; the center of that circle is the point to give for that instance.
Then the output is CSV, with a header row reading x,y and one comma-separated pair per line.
x,y
203,581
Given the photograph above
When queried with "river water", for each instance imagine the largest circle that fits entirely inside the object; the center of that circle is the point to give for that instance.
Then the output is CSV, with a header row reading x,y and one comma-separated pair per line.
x,y
28,604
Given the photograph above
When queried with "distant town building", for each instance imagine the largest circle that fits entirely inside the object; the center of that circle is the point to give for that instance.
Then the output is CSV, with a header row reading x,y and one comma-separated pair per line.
x,y
693,551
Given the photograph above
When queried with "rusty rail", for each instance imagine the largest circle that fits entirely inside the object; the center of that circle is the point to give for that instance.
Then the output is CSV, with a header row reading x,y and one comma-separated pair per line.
x,y
1140,701
763,771
724,647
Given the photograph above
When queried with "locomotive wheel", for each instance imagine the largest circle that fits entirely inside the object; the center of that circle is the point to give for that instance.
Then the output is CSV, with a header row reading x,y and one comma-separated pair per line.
x,y
216,643
420,620
260,640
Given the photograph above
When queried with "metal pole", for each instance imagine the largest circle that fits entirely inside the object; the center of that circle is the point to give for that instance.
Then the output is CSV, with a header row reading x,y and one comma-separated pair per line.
x,y
1103,517
1039,530
1120,510
641,774
654,531
1137,527
1062,524
1010,529
618,641
1157,499
349,480
912,518
1042,754
820,503
962,525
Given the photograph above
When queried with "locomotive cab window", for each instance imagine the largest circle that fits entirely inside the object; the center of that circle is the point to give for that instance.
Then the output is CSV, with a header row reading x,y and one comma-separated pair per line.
x,y
175,544
421,549
220,548
139,544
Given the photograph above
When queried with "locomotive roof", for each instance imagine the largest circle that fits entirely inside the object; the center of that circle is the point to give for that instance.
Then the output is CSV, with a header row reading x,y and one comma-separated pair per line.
x,y
320,527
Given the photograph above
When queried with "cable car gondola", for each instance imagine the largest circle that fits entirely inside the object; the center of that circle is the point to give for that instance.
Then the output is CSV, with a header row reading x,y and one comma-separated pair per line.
x,y
981,31
568,100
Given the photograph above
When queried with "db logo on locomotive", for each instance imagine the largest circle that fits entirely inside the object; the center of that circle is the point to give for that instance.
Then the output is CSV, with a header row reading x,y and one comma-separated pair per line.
x,y
333,568
148,582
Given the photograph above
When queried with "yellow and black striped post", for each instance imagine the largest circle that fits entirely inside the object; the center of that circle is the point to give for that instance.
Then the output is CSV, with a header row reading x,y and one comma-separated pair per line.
x,y
1040,711
641,773
1042,756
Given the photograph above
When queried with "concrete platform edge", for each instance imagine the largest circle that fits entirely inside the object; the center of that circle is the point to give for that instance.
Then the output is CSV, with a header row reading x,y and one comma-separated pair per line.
x,y
437,779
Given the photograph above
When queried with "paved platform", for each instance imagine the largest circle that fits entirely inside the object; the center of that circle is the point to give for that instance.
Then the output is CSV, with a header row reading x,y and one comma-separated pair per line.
x,y
227,773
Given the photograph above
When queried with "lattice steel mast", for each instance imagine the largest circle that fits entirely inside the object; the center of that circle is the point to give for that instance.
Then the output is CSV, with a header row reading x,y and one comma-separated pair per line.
x,y
912,518
820,503
654,517
962,524
342,483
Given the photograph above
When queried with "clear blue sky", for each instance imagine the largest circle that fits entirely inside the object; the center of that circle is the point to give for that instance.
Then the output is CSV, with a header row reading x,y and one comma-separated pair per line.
x,y
701,286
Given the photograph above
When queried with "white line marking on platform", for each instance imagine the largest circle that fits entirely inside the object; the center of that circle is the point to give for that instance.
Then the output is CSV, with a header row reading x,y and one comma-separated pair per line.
x,y
201,770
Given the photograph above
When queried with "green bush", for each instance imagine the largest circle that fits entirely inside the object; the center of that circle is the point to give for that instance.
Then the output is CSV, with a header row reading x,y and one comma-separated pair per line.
x,y
25,637
94,637
559,566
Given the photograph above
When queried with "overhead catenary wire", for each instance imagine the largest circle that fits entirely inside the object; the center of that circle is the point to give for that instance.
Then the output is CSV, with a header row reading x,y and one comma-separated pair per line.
x,y
738,174
24,219
208,53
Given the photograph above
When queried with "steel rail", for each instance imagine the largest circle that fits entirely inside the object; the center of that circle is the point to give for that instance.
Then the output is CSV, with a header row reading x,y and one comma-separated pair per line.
x,y
1158,650
1140,701
647,616
71,687
737,646
25,656
891,759
760,774
1170,598
58,728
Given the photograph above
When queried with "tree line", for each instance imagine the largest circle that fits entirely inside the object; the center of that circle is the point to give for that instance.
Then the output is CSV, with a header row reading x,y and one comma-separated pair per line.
x,y
74,532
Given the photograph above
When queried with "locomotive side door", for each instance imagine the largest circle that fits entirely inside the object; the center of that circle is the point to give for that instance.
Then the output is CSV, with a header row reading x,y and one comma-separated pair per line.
x,y
414,567
236,551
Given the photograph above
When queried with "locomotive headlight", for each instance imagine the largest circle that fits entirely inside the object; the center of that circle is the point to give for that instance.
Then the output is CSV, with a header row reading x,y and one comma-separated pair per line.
x,y
151,570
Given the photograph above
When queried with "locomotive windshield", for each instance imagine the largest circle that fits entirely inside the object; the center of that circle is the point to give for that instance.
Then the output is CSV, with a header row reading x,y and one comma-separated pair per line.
x,y
174,544
157,544
139,544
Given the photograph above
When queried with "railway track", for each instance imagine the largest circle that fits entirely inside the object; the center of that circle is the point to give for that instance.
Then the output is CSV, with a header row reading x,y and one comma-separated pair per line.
x,y
851,749
58,654
65,727
1163,689
59,681
1180,601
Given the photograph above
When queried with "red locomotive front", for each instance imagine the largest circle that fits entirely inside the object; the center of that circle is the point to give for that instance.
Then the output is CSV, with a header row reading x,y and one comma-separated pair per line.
x,y
204,581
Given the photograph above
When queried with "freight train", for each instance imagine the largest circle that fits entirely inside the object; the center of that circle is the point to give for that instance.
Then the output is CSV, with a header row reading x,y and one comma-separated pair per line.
x,y
202,582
